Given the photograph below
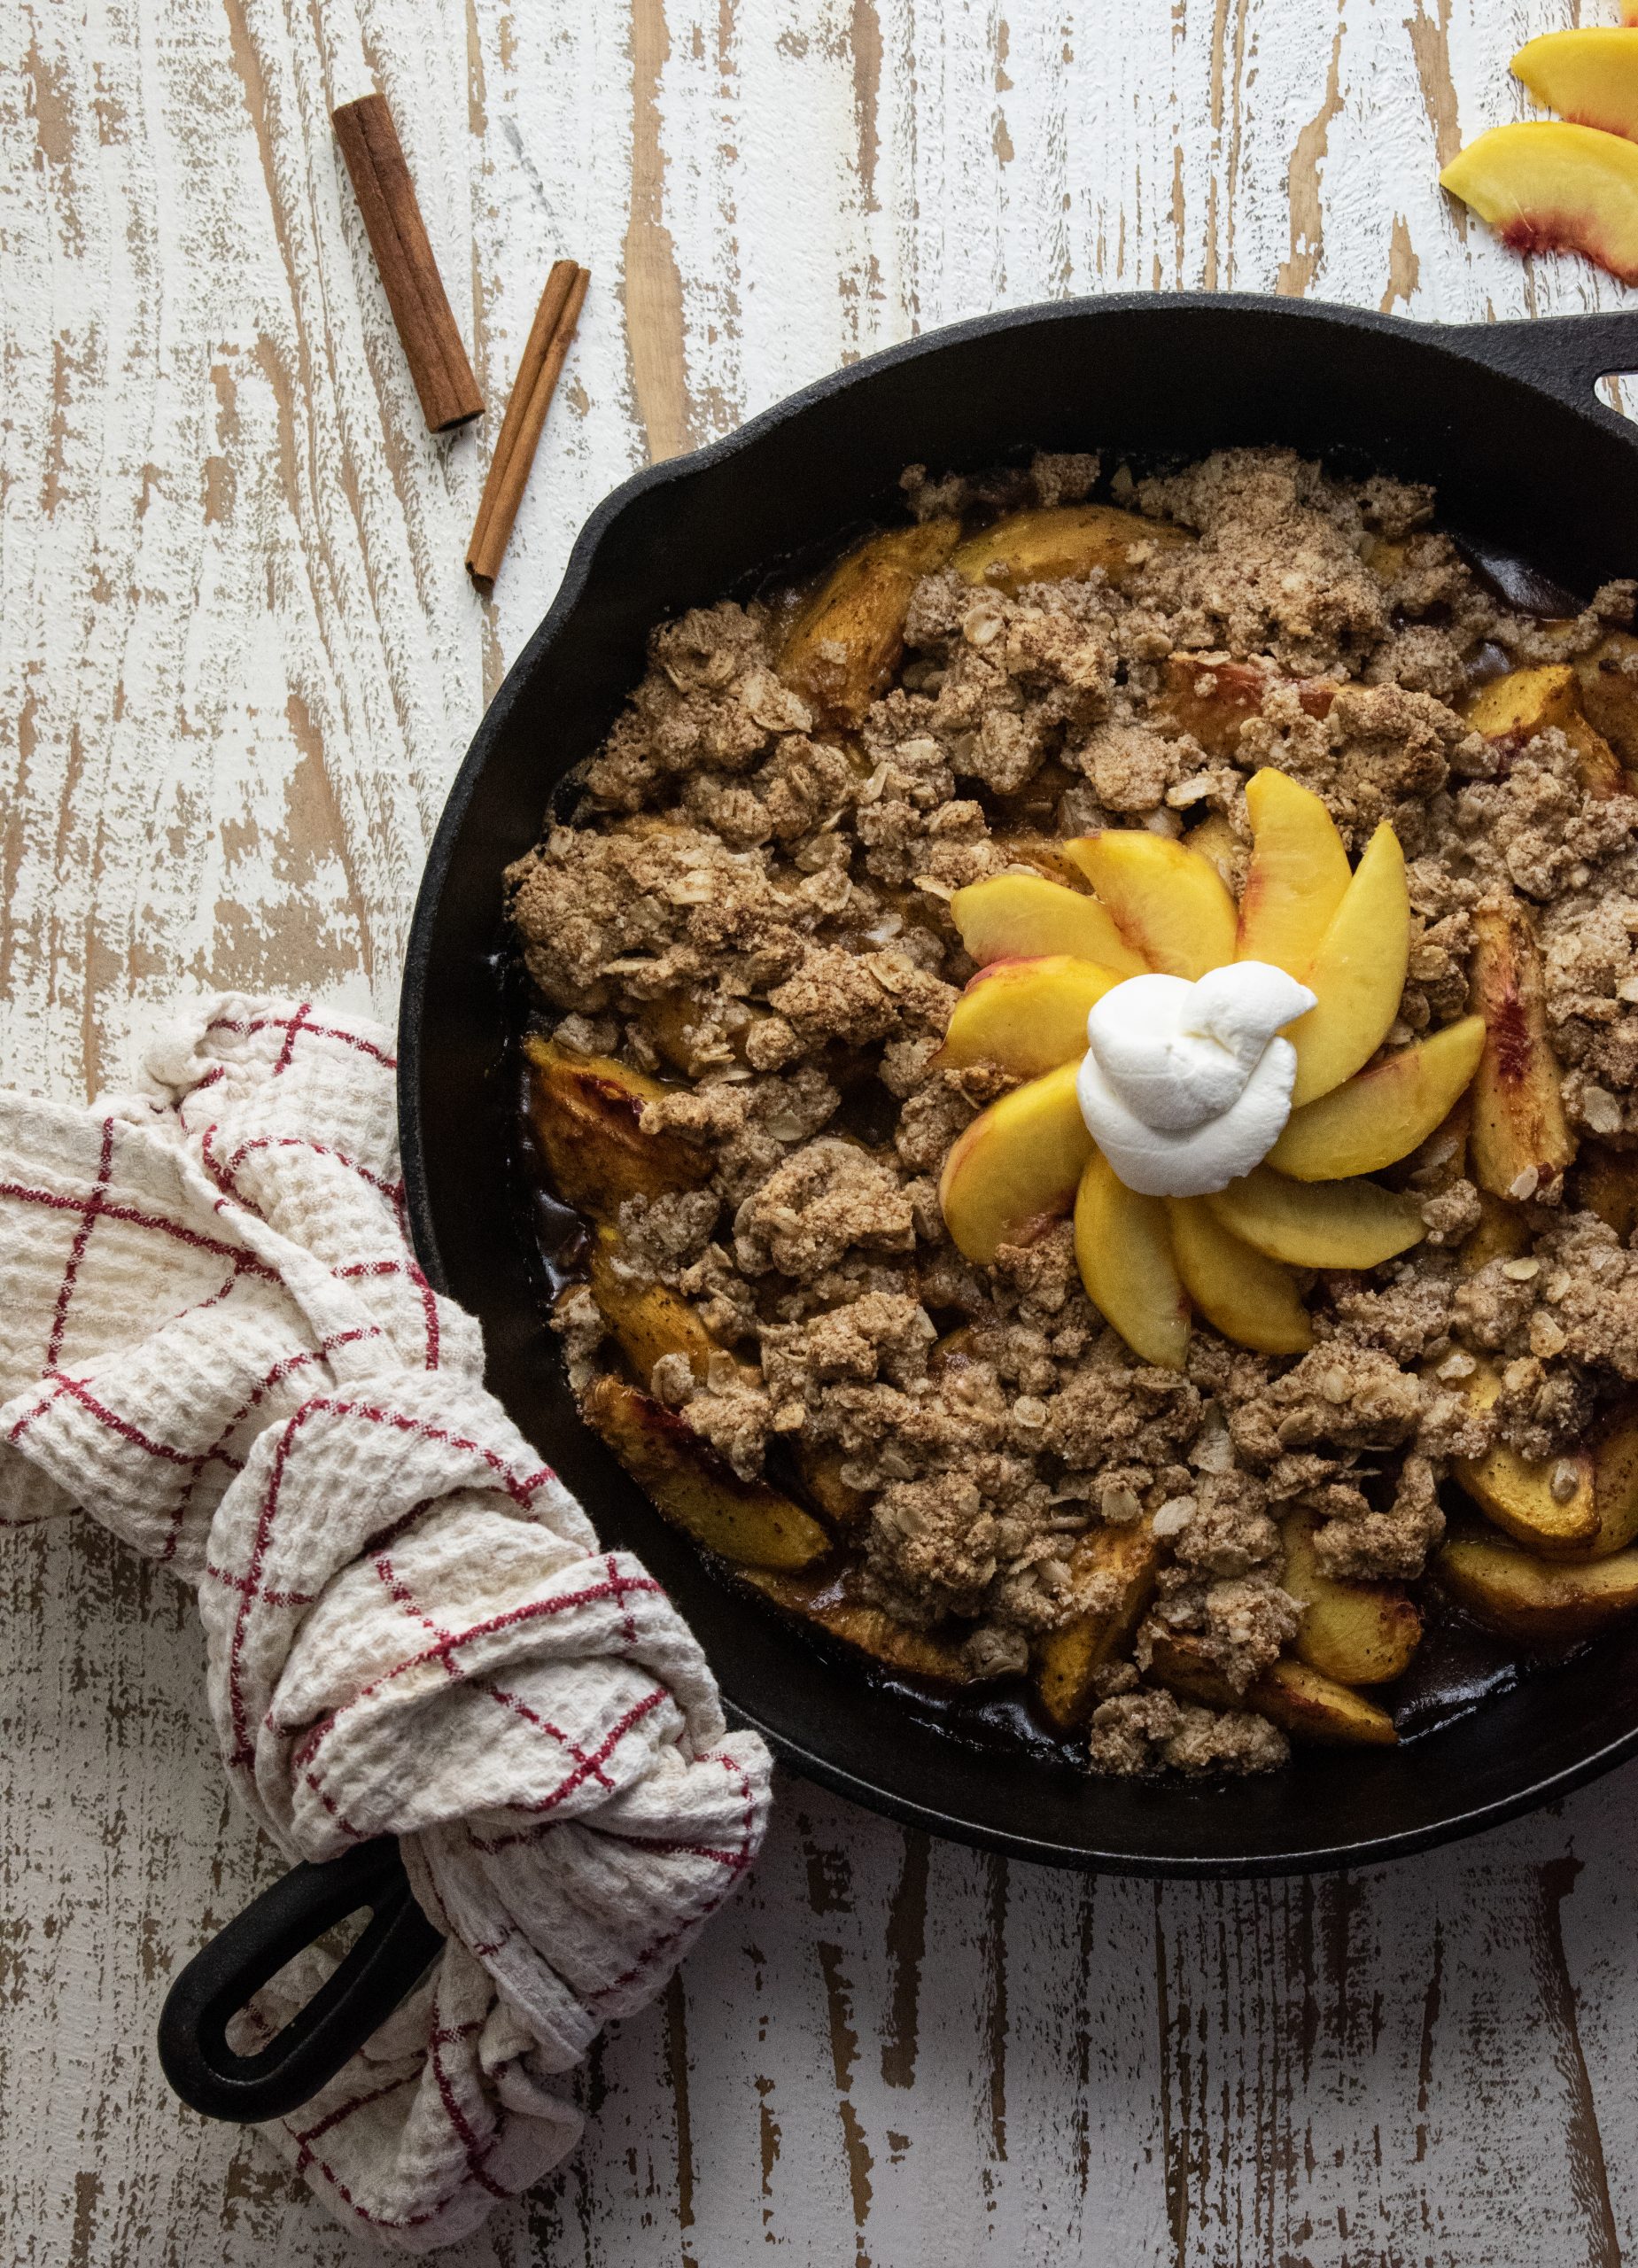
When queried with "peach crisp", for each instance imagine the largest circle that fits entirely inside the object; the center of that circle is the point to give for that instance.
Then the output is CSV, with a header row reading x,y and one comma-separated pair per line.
x,y
1095,1050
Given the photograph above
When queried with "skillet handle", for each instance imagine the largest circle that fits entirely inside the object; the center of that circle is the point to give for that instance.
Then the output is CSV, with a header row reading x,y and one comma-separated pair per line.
x,y
376,1973
1567,354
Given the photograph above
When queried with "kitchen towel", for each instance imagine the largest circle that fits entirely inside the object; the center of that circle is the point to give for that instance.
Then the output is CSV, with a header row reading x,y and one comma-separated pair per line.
x,y
214,1338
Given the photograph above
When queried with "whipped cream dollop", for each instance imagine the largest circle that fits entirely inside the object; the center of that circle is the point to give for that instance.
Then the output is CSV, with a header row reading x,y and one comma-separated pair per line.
x,y
1184,1087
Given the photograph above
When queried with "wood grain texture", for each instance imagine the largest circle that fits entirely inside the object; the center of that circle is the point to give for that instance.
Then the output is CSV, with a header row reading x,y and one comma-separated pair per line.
x,y
239,662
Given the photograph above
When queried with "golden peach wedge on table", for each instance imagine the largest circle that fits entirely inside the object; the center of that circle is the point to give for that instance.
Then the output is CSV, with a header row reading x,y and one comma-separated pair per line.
x,y
1207,1114
1550,186
1588,76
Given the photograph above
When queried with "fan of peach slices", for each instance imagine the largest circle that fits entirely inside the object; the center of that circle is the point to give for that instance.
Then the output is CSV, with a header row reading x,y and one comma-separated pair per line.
x,y
1047,952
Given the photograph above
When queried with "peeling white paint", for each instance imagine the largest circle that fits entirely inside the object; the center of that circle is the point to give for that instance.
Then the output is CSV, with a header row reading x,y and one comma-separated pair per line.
x,y
239,661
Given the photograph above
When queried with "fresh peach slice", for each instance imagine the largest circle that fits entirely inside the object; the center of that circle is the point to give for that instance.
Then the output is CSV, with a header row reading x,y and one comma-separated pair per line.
x,y
1357,974
1513,708
1023,917
1299,873
1026,1015
1382,1114
1318,1224
1124,1248
1017,1166
1589,76
1214,839
1547,187
1058,543
1170,904
1250,1298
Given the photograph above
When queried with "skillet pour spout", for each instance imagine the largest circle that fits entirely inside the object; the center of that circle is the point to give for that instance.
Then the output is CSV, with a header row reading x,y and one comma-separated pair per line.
x,y
1533,471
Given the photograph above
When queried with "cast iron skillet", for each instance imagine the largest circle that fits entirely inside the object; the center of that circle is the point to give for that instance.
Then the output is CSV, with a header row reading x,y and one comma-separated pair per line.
x,y
1528,463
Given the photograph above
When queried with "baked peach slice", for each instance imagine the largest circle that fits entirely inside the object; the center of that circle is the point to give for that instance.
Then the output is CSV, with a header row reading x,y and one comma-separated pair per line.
x,y
830,1604
1301,1699
1511,710
1357,974
1503,1232
1210,697
1026,1015
1360,1634
1124,1253
845,643
747,1521
1117,1566
1298,877
586,1115
1608,678
1589,76
1384,1114
1025,917
1581,1505
1318,1224
1017,1166
1521,1138
1551,187
1060,543
1170,904
1248,1297
1311,1706
647,1320
1532,1599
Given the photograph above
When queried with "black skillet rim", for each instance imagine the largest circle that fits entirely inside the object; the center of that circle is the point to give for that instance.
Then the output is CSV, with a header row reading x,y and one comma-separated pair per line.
x,y
1560,358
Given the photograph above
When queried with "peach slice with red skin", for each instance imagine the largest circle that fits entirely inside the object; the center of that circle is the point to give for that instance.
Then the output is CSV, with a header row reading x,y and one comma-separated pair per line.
x,y
1548,186
1017,1166
1170,904
1509,711
1211,697
1165,906
1298,877
1023,917
1026,1015
1588,76
1519,1127
1124,1252
1382,1114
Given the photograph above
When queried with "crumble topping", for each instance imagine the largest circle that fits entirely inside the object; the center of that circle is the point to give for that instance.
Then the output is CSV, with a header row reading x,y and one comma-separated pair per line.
x,y
754,906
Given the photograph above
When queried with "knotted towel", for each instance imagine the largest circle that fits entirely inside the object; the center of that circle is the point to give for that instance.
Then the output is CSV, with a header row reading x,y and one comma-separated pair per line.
x,y
214,1337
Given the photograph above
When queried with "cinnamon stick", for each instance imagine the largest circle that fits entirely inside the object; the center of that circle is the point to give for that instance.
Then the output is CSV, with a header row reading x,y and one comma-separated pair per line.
x,y
544,353
386,196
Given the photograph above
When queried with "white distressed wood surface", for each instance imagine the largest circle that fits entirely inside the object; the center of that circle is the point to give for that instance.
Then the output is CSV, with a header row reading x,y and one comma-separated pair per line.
x,y
238,663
